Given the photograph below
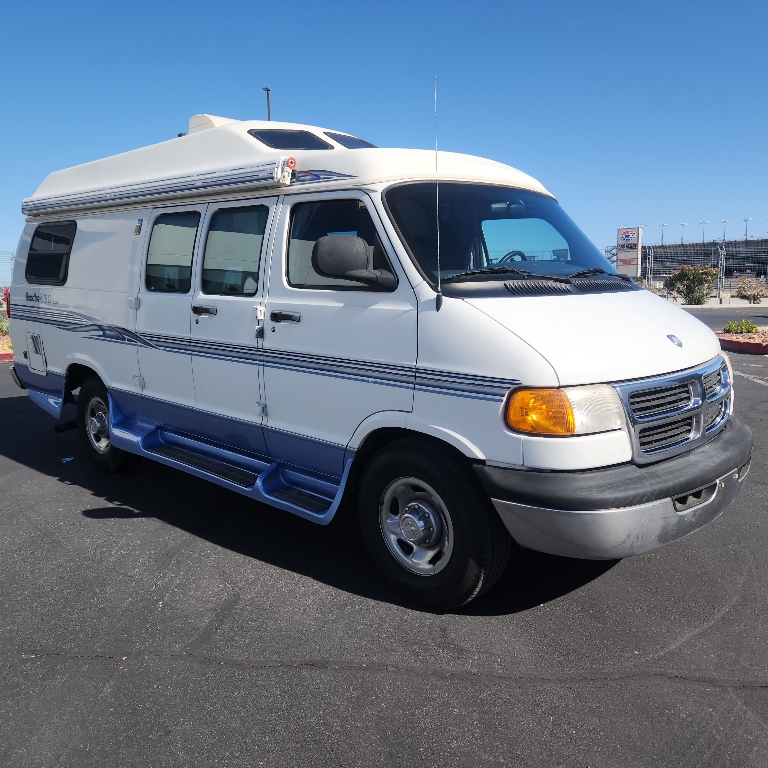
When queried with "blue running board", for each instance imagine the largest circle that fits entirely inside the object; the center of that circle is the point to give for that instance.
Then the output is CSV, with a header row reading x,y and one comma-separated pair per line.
x,y
289,489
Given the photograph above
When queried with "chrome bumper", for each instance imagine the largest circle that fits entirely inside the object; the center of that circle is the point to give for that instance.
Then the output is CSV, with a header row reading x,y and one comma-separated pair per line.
x,y
611,534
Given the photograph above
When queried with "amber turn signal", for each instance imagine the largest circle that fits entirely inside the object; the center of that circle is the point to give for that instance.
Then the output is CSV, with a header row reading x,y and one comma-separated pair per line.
x,y
540,412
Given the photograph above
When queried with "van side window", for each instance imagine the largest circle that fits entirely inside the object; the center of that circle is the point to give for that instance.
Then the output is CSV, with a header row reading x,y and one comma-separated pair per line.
x,y
233,250
169,263
48,258
311,221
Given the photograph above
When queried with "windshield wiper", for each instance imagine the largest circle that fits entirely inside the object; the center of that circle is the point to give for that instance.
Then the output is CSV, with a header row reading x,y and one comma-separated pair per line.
x,y
593,271
489,271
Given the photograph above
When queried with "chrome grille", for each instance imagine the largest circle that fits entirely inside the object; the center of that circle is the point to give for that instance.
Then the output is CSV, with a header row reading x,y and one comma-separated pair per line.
x,y
712,414
673,414
663,436
713,381
652,402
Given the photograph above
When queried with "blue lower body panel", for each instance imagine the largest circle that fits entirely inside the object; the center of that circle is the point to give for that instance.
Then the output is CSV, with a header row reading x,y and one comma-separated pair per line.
x,y
231,454
46,391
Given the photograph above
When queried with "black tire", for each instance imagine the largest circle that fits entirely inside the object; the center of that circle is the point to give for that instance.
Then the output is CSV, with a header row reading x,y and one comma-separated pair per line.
x,y
480,547
98,446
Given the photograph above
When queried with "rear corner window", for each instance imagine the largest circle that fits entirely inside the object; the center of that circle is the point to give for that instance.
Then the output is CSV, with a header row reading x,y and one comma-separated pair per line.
x,y
350,142
277,138
48,258
171,246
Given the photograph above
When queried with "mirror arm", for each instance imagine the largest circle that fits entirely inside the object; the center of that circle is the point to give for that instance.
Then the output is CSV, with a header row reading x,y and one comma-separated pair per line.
x,y
379,278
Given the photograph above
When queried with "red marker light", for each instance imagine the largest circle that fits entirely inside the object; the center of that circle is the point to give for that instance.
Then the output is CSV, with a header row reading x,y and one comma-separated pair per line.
x,y
291,163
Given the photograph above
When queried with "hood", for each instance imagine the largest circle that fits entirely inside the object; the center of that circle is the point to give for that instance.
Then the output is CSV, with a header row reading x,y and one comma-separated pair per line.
x,y
605,337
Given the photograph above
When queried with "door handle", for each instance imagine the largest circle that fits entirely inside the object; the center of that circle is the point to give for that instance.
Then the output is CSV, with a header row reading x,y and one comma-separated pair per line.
x,y
285,317
199,309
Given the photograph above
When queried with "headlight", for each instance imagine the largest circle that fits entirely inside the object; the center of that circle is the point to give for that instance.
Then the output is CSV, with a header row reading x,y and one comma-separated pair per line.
x,y
568,411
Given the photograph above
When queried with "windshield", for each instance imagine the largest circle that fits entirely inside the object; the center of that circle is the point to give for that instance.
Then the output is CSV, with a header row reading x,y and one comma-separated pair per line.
x,y
484,227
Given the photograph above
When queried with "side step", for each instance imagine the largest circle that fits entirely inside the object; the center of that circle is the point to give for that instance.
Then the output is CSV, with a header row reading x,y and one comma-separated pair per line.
x,y
302,499
240,477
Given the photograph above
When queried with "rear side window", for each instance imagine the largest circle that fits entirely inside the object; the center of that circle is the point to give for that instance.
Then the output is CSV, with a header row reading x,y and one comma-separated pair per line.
x,y
169,263
48,258
233,250
284,139
311,221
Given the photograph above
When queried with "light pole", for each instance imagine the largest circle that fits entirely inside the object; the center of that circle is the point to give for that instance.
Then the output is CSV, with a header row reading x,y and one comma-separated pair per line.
x,y
703,224
746,226
724,222
683,224
662,232
269,105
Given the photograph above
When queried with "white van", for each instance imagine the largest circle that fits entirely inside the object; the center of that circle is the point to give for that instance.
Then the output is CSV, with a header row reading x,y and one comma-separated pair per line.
x,y
280,309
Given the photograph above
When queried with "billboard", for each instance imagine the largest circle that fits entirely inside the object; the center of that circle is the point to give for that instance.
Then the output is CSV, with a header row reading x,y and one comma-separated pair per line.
x,y
629,243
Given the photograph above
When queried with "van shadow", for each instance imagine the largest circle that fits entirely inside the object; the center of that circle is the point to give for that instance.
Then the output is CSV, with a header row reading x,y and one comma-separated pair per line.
x,y
333,555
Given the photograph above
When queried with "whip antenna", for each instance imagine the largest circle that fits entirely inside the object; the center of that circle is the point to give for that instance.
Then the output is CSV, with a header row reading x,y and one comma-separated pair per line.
x,y
439,297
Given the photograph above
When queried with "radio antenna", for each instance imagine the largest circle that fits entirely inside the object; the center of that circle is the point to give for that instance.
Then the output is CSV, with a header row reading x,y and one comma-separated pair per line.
x,y
439,297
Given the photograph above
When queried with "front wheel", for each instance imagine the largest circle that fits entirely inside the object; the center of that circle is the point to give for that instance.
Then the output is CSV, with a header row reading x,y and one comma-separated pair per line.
x,y
93,426
428,526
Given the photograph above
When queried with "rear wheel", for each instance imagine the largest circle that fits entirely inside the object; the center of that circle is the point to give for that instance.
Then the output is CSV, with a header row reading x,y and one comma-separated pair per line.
x,y
93,426
428,526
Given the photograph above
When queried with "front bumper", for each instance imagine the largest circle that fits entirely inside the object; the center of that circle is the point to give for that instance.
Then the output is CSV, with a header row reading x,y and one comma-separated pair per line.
x,y
621,511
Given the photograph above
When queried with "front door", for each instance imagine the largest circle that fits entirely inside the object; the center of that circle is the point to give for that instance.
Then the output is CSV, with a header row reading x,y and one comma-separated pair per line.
x,y
335,351
165,301
227,313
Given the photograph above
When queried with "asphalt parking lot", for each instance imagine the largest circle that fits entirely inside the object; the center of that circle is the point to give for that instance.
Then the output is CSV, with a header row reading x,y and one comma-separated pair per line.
x,y
152,619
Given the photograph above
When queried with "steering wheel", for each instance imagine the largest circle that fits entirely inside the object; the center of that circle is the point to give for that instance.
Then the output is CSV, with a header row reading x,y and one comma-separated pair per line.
x,y
507,257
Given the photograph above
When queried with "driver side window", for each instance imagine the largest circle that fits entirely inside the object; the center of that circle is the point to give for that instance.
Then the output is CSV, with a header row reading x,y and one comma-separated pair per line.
x,y
310,222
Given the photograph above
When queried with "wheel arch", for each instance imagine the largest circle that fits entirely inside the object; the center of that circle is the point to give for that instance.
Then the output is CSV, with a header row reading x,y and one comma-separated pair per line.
x,y
382,436
76,373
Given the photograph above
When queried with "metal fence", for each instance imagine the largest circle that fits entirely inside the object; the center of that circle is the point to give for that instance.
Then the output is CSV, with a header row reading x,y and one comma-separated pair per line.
x,y
733,260
6,265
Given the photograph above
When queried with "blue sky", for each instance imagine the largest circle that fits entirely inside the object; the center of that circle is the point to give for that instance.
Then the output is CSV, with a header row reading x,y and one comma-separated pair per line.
x,y
632,114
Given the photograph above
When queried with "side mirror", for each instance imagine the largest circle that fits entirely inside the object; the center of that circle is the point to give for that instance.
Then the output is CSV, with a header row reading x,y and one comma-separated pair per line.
x,y
347,257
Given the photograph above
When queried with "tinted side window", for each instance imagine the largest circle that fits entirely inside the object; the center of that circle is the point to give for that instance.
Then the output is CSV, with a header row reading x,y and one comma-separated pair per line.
x,y
169,263
350,142
287,139
311,221
233,250
48,258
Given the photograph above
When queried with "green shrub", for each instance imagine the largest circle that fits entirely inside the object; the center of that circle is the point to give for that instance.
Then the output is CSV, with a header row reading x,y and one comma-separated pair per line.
x,y
693,283
4,330
740,326
752,289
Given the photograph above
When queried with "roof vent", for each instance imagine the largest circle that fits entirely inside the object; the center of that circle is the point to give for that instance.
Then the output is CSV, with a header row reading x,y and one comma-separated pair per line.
x,y
199,123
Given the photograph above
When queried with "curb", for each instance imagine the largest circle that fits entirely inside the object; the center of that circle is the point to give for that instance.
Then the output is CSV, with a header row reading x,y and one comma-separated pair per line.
x,y
750,347
6,357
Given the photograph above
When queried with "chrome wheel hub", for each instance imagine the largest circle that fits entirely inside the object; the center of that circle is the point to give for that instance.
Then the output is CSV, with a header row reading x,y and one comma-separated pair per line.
x,y
97,424
416,526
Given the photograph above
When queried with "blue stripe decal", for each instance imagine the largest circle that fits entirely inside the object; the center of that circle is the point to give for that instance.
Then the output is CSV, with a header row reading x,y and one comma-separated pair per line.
x,y
428,380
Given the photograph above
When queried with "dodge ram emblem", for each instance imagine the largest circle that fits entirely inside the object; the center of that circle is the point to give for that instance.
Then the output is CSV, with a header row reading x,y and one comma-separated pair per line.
x,y
674,339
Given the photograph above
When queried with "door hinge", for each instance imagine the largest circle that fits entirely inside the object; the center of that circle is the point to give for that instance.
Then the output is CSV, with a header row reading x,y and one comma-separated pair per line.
x,y
134,302
139,381
261,408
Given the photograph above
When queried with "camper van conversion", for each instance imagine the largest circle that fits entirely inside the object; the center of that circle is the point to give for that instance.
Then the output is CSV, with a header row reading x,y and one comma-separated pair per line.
x,y
301,317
